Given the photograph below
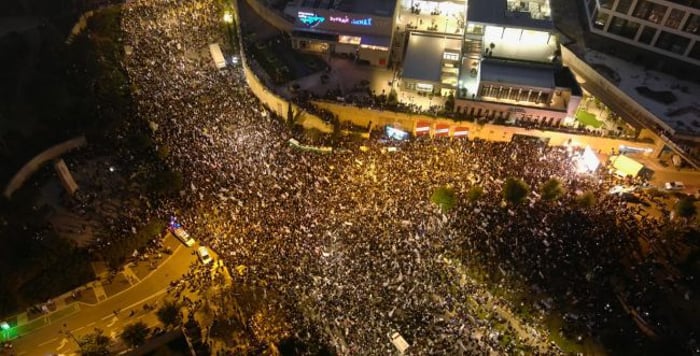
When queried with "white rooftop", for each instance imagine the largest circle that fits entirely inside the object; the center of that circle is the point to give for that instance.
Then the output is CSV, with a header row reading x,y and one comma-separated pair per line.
x,y
682,115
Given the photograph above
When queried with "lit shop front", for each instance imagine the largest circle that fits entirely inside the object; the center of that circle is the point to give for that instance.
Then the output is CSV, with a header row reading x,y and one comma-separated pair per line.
x,y
356,35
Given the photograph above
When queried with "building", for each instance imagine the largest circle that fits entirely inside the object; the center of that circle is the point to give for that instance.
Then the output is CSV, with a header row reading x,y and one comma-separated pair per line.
x,y
361,29
502,63
668,28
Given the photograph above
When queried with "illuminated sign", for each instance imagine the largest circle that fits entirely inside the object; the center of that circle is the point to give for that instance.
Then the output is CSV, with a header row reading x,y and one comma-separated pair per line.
x,y
367,21
396,133
310,19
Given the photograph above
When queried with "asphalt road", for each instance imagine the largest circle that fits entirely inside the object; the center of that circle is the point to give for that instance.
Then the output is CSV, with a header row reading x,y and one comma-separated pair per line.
x,y
690,178
80,319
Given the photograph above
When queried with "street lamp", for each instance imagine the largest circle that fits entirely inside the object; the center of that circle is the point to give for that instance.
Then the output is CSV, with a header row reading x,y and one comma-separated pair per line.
x,y
228,17
228,20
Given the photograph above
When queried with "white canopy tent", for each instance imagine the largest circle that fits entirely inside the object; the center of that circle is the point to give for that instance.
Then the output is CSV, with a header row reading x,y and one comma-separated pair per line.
x,y
625,166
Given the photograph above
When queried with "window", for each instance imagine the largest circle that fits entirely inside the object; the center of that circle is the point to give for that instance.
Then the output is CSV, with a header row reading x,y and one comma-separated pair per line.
x,y
600,20
693,24
672,43
423,87
616,25
647,35
675,18
450,56
649,11
695,52
629,30
623,6
692,3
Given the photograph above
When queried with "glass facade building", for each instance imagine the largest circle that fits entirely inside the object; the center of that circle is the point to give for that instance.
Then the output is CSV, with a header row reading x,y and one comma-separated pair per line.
x,y
667,27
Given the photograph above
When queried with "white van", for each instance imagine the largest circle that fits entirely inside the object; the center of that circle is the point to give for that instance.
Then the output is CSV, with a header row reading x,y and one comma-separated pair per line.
x,y
398,341
183,236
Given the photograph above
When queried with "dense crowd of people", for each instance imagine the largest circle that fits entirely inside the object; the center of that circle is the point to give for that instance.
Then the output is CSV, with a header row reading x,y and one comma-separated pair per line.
x,y
351,239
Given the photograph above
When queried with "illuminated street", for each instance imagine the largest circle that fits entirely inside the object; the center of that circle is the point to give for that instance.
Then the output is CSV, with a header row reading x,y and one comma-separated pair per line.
x,y
294,241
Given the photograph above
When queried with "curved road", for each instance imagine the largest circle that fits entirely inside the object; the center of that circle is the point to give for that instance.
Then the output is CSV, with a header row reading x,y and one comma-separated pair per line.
x,y
80,319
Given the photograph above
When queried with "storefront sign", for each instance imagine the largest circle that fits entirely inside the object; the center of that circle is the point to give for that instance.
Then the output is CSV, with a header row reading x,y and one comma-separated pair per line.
x,y
310,19
347,20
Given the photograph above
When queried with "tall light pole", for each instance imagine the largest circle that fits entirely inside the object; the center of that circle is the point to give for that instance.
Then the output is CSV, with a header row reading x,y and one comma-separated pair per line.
x,y
228,20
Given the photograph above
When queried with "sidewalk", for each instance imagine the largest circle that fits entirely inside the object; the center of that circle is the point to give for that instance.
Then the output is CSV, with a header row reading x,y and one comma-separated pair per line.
x,y
92,293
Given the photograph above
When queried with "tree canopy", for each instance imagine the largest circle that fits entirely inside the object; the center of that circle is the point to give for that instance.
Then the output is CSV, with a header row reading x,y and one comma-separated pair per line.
x,y
586,200
551,189
475,193
169,314
94,344
444,197
515,190
685,207
134,335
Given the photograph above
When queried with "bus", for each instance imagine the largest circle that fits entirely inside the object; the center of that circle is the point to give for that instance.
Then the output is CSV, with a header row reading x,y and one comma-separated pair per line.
x,y
217,55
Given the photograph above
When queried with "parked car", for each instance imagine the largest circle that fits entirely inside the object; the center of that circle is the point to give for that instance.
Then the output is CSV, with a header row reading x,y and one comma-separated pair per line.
x,y
182,235
204,255
674,185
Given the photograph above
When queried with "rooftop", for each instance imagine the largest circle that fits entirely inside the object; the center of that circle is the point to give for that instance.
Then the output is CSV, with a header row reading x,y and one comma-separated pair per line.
x,y
525,14
368,7
674,101
525,45
423,60
517,73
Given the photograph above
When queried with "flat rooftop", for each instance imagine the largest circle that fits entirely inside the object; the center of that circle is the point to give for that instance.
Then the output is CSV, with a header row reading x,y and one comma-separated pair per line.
x,y
674,101
517,73
423,60
525,14
367,7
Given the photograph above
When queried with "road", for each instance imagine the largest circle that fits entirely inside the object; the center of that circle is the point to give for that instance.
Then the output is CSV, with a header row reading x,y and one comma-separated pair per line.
x,y
80,319
690,178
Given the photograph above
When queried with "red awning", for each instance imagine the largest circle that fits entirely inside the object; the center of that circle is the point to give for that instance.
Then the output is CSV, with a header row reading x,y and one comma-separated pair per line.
x,y
461,132
423,128
442,130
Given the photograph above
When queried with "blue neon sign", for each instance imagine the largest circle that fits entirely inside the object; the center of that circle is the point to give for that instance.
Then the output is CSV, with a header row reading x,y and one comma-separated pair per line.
x,y
310,19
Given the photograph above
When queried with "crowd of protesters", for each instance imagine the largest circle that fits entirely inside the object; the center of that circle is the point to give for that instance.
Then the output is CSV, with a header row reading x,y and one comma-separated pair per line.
x,y
351,239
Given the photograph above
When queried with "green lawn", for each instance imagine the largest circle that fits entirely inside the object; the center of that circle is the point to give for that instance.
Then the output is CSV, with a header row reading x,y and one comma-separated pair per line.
x,y
588,119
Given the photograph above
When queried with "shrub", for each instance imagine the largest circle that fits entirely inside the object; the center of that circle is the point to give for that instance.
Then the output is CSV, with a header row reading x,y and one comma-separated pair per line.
x,y
444,197
551,189
475,193
515,190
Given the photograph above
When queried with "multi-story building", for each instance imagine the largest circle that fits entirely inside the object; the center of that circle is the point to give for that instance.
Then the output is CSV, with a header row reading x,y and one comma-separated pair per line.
x,y
500,61
358,28
670,28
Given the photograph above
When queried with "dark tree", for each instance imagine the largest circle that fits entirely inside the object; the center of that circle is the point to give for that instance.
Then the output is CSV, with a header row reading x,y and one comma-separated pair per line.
x,y
551,189
515,190
475,193
169,314
586,200
134,335
94,344
450,102
444,197
685,208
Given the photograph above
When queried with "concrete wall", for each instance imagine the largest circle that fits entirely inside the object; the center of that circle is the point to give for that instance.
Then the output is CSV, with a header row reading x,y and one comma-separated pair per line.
x,y
276,103
35,163
409,122
280,106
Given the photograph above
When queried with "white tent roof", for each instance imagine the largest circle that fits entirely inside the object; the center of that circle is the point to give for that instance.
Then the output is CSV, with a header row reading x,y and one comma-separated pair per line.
x,y
626,165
